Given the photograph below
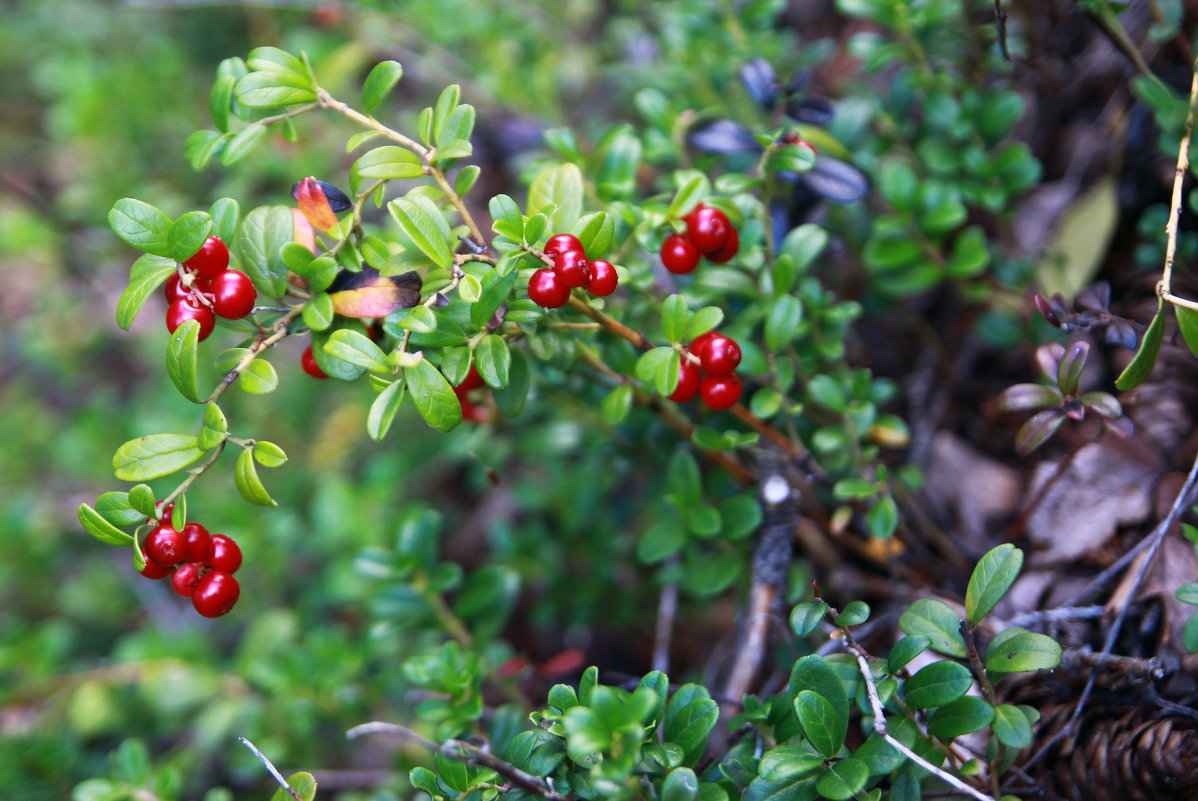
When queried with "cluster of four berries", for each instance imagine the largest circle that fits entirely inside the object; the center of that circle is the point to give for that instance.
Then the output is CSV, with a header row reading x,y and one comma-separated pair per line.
x,y
201,565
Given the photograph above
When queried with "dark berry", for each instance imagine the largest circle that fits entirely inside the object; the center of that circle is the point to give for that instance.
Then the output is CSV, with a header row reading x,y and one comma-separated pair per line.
x,y
472,381
689,377
197,543
678,255
226,555
185,578
308,362
547,290
730,248
183,310
718,354
210,259
153,571
707,228
603,278
572,268
164,545
720,391
215,594
562,243
233,294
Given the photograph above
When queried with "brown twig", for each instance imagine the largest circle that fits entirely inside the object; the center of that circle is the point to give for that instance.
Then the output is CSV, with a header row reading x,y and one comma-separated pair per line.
x,y
1183,166
667,610
270,767
1000,27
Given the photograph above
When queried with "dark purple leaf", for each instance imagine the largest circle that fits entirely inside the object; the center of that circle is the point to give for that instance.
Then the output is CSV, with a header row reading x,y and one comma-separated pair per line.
x,y
759,78
836,180
812,110
1074,410
1102,403
1022,397
336,198
1037,430
1096,297
1047,310
1069,370
1121,332
724,136
1049,357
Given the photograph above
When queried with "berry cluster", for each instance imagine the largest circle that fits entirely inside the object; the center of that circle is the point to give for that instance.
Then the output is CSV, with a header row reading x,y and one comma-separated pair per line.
x,y
709,233
201,565
713,378
550,288
205,288
471,382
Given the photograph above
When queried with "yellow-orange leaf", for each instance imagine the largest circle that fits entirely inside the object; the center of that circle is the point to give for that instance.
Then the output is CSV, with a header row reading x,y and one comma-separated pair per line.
x,y
368,294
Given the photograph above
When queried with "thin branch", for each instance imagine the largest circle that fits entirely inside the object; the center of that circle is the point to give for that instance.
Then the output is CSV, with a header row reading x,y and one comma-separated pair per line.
x,y
1000,27
1183,165
1057,615
257,350
273,771
667,610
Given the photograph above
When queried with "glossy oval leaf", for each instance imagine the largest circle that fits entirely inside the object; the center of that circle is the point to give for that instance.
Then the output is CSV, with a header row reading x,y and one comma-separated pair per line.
x,y
1011,726
95,524
141,225
387,162
379,83
213,428
511,397
996,571
304,785
806,616
936,621
181,357
1145,359
259,378
188,233
1187,322
560,186
788,761
493,360
245,476
263,233
422,222
383,409
937,684
824,727
357,349
1015,650
433,396
906,649
269,454
318,311
145,276
116,509
963,716
843,779
154,456
141,498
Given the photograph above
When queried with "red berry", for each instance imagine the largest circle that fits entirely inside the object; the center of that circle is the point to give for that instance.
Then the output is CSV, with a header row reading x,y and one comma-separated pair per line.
x,y
689,377
197,543
603,278
678,255
470,410
730,248
707,228
472,381
547,290
562,243
572,268
153,571
308,362
226,555
173,290
233,294
720,391
183,310
210,259
167,511
718,354
185,578
215,594
164,545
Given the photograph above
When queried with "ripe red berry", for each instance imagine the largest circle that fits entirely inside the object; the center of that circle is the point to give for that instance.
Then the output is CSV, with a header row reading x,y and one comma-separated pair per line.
x,y
720,391
197,543
153,571
226,554
183,310
718,354
689,377
547,290
603,278
185,578
173,290
561,243
215,594
233,294
210,259
472,381
730,248
678,255
308,362
707,228
572,268
470,410
164,545
166,511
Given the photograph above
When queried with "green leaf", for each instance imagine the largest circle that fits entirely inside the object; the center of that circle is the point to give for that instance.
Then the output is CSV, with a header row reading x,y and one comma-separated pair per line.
x,y
1015,650
496,291
825,729
1011,726
595,232
141,498
680,785
493,360
683,479
854,614
219,101
154,456
433,396
1145,359
188,234
379,83
243,143
1188,593
318,312
389,162
854,489
422,222
843,779
141,225
274,58
827,392
213,428
357,349
506,218
804,244
181,350
465,179
1187,322
806,616
201,146
937,684
383,409
330,364
453,141
114,507
817,674
616,405
264,232
619,159
689,721
245,476
558,185
446,103
702,321
969,256
147,274
993,576
95,524
965,715
936,621
693,186
674,318
661,539
269,454
225,213
788,761
303,783
259,378
905,650
651,361
272,89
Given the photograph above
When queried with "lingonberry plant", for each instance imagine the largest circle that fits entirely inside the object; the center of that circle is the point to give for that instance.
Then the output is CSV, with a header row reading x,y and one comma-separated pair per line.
x,y
599,278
